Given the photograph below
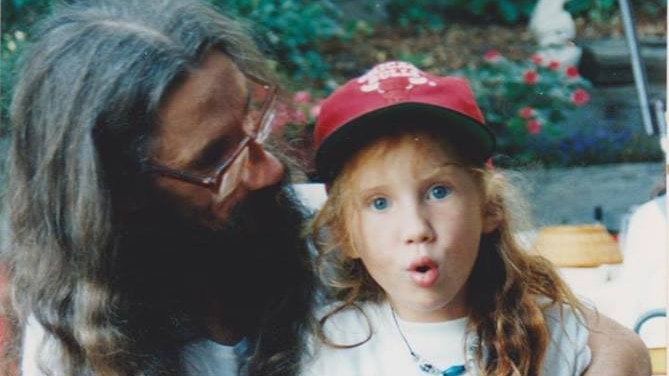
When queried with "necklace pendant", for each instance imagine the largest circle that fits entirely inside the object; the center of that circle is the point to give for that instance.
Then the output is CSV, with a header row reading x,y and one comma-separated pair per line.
x,y
454,371
428,368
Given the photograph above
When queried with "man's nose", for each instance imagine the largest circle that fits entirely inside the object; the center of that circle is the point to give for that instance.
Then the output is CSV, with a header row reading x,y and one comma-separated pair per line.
x,y
262,168
417,227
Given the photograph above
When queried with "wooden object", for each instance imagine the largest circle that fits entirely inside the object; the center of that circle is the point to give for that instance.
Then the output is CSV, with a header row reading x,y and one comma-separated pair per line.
x,y
577,246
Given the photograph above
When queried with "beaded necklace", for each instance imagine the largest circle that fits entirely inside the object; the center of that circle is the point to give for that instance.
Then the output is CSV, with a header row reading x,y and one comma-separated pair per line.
x,y
426,366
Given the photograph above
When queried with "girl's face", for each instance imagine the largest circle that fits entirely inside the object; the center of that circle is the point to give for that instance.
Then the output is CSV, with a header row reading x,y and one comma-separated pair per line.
x,y
419,216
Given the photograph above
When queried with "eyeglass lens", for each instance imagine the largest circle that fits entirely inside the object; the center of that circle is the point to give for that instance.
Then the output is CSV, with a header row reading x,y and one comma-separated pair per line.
x,y
260,116
258,125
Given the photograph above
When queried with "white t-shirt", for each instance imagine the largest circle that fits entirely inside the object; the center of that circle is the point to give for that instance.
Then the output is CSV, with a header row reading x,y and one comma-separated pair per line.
x,y
644,273
205,357
202,357
443,344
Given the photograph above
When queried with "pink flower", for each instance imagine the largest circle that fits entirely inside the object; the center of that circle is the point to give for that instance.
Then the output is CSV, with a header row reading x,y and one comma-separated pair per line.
x,y
580,97
302,97
526,112
315,110
492,56
536,59
554,65
282,116
530,77
571,72
533,126
298,116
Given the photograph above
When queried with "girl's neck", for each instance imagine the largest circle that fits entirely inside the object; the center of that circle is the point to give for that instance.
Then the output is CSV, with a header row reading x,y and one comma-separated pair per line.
x,y
448,313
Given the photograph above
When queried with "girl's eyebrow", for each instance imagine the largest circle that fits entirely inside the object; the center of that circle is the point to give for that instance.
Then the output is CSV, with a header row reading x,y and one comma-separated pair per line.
x,y
452,164
366,191
446,167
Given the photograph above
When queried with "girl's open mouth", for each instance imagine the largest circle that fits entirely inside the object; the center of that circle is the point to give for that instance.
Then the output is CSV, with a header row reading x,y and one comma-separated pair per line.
x,y
424,272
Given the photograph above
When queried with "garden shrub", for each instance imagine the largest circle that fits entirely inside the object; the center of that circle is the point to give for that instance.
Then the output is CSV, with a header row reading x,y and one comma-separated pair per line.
x,y
17,18
291,31
433,15
418,15
601,11
541,112
527,100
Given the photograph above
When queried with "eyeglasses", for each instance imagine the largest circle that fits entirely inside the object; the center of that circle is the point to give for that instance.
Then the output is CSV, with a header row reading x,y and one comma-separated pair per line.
x,y
256,127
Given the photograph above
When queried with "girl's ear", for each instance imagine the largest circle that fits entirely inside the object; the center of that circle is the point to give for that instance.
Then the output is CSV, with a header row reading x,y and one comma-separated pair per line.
x,y
492,217
493,207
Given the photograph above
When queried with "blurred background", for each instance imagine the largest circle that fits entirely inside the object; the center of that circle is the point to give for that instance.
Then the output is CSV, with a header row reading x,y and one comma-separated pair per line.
x,y
548,109
554,79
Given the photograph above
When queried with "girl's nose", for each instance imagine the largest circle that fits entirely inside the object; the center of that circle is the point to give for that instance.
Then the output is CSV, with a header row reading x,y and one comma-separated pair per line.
x,y
417,227
262,168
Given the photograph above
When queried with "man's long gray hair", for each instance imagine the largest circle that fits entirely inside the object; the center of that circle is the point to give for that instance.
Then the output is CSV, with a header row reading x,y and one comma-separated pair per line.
x,y
83,109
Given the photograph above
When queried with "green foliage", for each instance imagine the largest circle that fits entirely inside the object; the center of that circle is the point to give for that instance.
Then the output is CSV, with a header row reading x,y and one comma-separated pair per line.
x,y
19,14
416,14
504,11
524,101
601,11
292,31
12,44
419,15
527,117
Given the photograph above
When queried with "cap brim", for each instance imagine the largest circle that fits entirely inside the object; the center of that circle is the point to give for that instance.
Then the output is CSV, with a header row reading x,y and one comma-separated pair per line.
x,y
475,140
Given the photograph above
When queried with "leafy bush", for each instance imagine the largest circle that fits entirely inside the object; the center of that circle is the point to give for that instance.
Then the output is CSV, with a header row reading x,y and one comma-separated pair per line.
x,y
525,101
11,46
537,109
432,14
292,30
416,14
603,10
17,16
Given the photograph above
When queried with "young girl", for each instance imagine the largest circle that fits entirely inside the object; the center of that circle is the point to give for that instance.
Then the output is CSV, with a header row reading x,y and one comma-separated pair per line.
x,y
416,242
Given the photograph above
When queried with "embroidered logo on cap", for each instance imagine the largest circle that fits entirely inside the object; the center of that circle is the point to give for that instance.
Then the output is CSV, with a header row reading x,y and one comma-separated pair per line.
x,y
393,80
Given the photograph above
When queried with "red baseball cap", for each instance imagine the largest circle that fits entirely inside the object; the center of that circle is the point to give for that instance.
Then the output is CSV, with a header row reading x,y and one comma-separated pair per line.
x,y
397,94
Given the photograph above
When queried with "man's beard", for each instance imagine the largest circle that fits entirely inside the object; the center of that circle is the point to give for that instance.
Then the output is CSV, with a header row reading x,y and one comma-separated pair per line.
x,y
179,267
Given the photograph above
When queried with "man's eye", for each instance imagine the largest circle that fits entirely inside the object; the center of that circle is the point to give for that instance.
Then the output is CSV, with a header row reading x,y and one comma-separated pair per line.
x,y
438,192
379,203
209,158
215,153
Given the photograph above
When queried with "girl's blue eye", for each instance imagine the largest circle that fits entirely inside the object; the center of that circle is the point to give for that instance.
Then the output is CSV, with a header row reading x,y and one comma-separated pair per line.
x,y
380,203
438,192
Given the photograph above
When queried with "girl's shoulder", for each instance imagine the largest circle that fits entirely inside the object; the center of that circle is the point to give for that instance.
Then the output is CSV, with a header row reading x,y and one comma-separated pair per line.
x,y
563,318
568,352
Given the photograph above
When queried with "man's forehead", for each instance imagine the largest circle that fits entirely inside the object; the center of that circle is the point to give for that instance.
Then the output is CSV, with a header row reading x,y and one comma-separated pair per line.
x,y
217,78
204,107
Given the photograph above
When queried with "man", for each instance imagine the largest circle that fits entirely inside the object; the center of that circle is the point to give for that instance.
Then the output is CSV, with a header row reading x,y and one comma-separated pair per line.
x,y
150,229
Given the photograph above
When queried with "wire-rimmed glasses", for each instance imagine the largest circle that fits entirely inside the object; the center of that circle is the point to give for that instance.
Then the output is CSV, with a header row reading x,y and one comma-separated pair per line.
x,y
257,126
